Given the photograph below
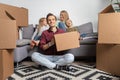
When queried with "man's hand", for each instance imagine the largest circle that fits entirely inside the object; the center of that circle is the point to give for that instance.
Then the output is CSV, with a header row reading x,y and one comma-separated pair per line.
x,y
52,41
49,44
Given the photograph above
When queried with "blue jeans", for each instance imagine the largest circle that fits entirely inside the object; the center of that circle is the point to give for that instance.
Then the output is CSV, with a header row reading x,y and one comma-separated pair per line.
x,y
50,61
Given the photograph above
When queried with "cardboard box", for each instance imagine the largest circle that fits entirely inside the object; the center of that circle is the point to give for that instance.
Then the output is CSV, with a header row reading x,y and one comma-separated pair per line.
x,y
109,26
67,40
108,58
16,13
6,63
7,34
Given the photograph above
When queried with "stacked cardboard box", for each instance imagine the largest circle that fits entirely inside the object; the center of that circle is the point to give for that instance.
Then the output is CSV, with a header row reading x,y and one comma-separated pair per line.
x,y
108,58
6,63
108,47
11,18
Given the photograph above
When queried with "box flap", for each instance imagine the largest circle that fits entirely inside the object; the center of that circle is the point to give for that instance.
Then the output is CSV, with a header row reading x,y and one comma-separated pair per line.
x,y
3,14
108,9
18,13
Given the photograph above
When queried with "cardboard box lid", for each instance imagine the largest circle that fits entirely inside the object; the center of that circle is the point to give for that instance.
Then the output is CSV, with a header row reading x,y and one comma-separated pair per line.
x,y
17,13
3,15
7,34
108,9
67,40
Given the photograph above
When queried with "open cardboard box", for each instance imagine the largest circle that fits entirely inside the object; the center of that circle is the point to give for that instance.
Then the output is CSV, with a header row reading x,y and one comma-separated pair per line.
x,y
17,13
7,41
108,58
109,26
14,13
6,63
67,40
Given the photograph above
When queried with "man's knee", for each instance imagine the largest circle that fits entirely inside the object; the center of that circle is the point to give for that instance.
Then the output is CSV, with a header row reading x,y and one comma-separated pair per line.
x,y
69,58
34,55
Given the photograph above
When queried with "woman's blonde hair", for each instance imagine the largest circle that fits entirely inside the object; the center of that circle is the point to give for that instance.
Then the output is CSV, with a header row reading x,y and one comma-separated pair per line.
x,y
40,20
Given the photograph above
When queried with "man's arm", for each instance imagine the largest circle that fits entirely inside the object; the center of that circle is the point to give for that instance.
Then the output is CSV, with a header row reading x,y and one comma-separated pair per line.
x,y
45,44
49,44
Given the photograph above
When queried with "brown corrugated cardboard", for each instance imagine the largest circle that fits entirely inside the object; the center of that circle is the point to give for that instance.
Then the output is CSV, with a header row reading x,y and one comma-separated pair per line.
x,y
6,63
109,26
67,40
108,58
3,14
16,13
7,34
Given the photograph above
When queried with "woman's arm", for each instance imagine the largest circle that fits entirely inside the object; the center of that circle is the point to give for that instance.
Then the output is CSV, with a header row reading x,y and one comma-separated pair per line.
x,y
35,33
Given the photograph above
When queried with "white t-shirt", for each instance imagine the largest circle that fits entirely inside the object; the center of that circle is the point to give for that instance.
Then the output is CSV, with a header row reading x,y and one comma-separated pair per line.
x,y
39,32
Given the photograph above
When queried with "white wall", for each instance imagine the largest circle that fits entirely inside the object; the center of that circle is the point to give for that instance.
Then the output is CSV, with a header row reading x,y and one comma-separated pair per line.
x,y
80,11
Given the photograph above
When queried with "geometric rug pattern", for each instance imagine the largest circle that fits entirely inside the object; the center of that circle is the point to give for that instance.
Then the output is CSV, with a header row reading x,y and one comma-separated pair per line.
x,y
78,72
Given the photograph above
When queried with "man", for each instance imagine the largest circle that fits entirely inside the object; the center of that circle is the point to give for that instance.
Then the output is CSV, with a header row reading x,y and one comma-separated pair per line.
x,y
49,56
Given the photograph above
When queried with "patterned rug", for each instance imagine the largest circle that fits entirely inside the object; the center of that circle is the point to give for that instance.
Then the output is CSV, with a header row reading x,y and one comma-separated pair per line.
x,y
78,72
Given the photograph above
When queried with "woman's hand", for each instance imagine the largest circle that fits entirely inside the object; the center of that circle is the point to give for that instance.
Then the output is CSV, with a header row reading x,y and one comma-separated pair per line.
x,y
32,44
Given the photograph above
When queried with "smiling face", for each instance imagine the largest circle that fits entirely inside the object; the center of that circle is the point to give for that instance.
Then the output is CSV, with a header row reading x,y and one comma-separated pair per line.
x,y
51,20
64,15
68,23
43,22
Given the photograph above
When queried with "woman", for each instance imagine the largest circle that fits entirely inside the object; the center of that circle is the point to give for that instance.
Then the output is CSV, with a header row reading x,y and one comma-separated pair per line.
x,y
63,17
69,26
37,34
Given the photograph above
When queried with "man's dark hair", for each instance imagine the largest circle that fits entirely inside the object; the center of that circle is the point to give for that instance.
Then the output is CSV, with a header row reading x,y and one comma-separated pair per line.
x,y
50,14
